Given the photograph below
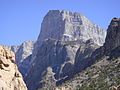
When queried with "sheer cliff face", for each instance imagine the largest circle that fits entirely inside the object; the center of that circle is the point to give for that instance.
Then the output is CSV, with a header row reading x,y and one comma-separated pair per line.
x,y
65,43
69,26
10,78
24,50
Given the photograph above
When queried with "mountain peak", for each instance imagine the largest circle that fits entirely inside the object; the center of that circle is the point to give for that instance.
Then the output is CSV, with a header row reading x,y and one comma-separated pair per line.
x,y
115,22
113,35
67,29
70,26
63,12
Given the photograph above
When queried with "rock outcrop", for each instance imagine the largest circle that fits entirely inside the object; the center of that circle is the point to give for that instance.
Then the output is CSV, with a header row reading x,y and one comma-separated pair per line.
x,y
24,50
104,72
65,38
24,66
23,54
10,77
68,26
55,54
113,35
14,48
61,57
115,87
83,54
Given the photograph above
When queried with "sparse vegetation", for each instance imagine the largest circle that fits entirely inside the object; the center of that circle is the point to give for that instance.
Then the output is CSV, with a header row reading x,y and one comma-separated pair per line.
x,y
97,77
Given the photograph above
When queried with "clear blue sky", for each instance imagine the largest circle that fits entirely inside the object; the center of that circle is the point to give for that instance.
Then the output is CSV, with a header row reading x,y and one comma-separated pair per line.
x,y
20,20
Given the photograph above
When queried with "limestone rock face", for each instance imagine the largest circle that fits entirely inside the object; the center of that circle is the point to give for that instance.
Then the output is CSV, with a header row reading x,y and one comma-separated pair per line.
x,y
55,54
68,26
62,57
10,78
25,49
66,39
23,56
83,55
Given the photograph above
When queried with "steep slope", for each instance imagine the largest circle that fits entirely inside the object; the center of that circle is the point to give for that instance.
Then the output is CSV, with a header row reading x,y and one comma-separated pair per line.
x,y
24,66
64,35
24,50
68,26
105,73
100,76
61,57
23,54
10,78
